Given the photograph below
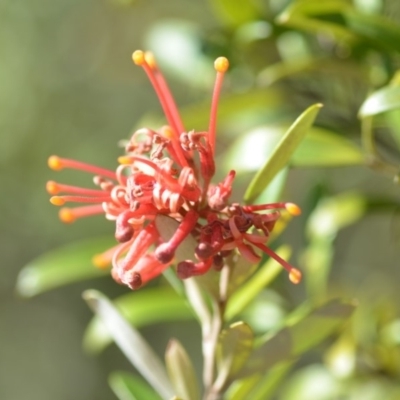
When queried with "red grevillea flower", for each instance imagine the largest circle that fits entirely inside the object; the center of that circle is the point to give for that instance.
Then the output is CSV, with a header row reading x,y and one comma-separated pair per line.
x,y
168,172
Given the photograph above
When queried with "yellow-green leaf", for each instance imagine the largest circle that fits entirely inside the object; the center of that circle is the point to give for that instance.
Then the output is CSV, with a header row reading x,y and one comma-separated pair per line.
x,y
181,371
299,337
130,387
282,152
234,347
67,264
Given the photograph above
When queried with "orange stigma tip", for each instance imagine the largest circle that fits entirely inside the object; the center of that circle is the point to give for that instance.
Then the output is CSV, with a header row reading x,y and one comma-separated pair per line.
x,y
167,132
100,262
66,215
138,57
55,163
295,276
52,187
150,59
221,64
124,160
57,201
293,209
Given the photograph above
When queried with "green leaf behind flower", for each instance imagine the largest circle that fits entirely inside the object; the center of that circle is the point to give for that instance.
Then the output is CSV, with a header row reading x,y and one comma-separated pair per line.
x,y
282,153
67,264
130,387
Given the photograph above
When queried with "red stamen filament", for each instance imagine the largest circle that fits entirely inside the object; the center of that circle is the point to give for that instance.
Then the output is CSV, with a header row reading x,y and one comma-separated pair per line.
x,y
55,188
294,273
57,163
221,65
166,100
290,207
61,200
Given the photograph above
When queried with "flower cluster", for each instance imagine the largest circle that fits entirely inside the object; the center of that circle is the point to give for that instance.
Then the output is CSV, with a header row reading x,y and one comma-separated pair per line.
x,y
168,172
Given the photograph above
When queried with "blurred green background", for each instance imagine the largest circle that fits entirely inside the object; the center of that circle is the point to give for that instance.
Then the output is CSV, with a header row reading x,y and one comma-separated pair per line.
x,y
68,87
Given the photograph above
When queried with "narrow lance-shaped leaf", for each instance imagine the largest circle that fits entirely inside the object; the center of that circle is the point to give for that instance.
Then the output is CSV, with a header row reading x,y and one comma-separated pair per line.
x,y
131,343
282,152
385,99
378,30
303,15
140,308
130,387
296,339
67,264
320,147
181,371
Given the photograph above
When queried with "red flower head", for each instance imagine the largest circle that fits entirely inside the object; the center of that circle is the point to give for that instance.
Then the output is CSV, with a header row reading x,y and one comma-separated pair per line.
x,y
168,172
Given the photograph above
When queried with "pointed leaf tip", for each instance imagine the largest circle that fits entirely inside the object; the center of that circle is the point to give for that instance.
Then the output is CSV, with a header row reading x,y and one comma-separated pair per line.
x,y
131,343
181,371
282,153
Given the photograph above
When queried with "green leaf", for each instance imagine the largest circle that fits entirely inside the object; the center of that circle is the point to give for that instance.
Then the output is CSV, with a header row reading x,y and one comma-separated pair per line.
x,y
393,120
181,371
282,152
130,387
131,343
259,386
303,15
335,213
144,307
314,7
270,382
235,12
301,336
385,99
67,264
234,347
248,291
320,148
381,31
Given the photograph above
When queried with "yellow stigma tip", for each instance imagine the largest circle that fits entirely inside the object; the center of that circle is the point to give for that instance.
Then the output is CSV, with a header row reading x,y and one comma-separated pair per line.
x,y
293,209
167,132
150,59
138,57
57,201
55,163
52,187
66,215
124,160
100,261
221,64
295,276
